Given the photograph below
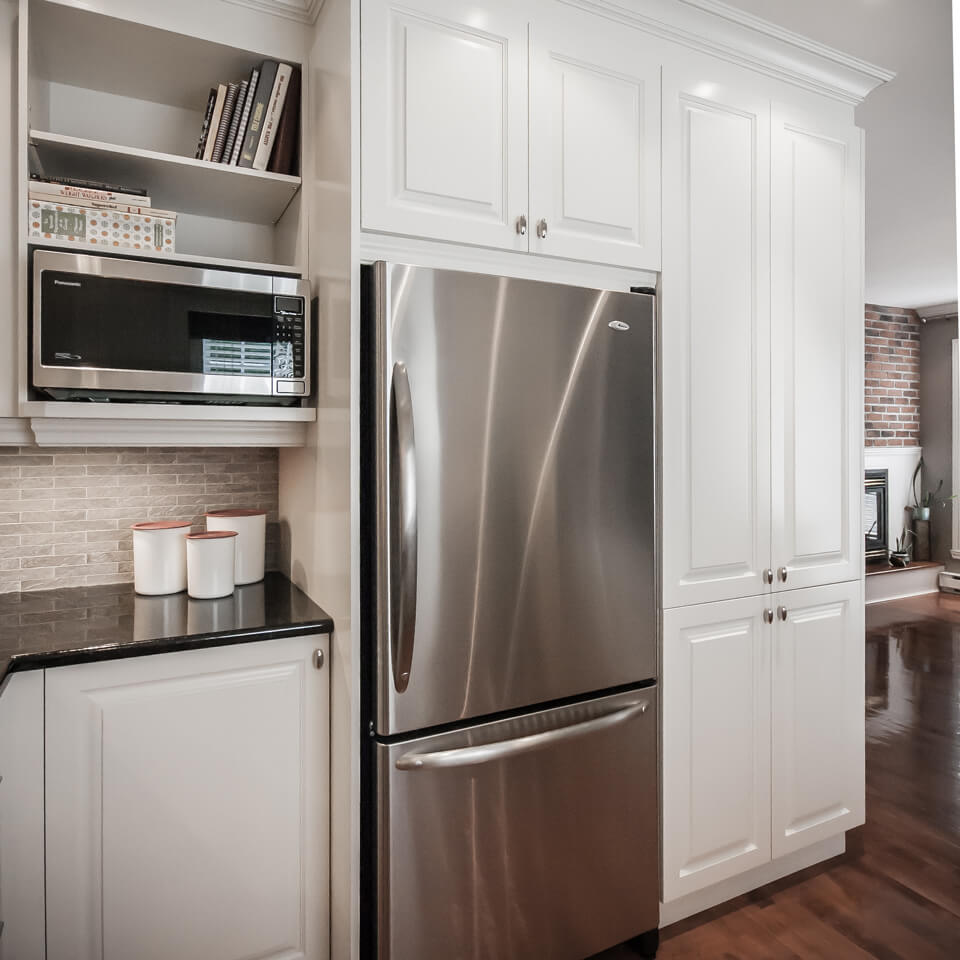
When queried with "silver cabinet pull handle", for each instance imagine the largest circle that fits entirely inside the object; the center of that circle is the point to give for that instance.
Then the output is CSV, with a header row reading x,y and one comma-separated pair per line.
x,y
522,224
501,749
542,229
782,574
768,575
782,613
768,616
403,509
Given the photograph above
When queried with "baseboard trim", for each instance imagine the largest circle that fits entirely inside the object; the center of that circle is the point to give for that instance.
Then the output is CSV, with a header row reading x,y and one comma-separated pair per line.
x,y
712,896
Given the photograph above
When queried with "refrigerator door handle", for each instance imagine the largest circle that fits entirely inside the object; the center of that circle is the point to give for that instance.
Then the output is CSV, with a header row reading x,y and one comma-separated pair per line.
x,y
502,749
403,507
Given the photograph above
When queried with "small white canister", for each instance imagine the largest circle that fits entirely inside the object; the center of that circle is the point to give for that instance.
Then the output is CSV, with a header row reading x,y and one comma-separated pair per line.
x,y
210,564
159,557
251,527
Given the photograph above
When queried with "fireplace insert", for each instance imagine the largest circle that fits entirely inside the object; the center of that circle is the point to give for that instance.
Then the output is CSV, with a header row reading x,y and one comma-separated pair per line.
x,y
875,514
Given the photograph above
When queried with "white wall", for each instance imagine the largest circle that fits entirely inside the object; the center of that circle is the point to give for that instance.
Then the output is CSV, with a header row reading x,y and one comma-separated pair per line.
x,y
899,462
911,218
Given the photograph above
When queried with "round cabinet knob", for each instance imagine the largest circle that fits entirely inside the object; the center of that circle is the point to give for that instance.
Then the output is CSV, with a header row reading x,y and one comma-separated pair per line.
x,y
522,224
768,616
782,613
768,575
782,574
542,229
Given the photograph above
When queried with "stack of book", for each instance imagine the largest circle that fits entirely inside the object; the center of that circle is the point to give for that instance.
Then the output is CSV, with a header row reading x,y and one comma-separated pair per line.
x,y
100,214
254,122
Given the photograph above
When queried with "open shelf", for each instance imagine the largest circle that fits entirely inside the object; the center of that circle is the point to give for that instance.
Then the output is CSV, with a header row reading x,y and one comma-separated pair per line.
x,y
193,260
179,184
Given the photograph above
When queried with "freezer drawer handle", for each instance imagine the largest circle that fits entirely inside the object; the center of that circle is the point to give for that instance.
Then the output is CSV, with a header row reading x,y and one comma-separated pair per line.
x,y
403,506
502,749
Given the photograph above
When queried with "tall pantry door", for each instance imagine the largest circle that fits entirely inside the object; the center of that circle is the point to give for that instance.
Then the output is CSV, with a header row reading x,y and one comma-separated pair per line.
x,y
817,352
715,338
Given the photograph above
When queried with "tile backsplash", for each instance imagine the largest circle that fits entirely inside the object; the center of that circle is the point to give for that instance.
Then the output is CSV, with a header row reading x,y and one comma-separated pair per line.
x,y
65,512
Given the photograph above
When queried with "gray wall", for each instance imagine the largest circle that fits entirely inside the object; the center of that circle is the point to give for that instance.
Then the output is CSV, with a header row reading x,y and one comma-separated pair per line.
x,y
936,425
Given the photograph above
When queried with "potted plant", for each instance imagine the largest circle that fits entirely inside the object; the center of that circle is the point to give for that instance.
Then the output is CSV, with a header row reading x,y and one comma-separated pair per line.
x,y
901,556
924,501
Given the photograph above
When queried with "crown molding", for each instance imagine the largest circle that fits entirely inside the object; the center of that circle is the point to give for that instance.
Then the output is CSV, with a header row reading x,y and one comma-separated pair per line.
x,y
713,27
303,11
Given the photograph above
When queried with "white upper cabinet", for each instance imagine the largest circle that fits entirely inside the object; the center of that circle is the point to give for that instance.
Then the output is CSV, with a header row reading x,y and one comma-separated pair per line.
x,y
817,355
444,120
594,141
818,726
187,805
715,339
716,743
451,103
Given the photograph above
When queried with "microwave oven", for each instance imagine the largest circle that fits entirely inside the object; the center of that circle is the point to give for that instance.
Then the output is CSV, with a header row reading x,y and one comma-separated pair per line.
x,y
108,328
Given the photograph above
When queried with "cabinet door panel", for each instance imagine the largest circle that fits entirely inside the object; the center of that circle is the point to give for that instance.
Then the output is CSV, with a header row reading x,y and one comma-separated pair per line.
x,y
186,806
594,141
817,352
715,343
818,715
716,743
443,121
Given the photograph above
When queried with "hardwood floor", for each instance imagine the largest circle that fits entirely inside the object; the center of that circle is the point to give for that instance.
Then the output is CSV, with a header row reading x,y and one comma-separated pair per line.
x,y
895,893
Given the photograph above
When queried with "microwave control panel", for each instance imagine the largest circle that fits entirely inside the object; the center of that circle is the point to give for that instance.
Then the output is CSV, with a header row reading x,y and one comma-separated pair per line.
x,y
289,360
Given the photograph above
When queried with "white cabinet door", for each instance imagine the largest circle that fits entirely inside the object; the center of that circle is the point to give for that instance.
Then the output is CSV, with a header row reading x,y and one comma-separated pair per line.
x,y
715,341
594,141
9,219
187,805
817,352
444,120
818,715
716,743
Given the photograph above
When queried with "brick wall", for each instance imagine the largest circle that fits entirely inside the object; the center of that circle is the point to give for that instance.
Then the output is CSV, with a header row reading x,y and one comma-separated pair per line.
x,y
65,513
892,384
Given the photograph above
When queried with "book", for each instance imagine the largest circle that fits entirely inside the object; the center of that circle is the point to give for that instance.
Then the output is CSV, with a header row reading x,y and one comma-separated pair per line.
x,y
51,220
271,119
285,154
215,121
86,184
261,100
62,191
234,122
205,129
223,131
245,116
107,206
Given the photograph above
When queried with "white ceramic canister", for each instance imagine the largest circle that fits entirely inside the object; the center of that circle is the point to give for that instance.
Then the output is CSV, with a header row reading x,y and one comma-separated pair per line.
x,y
159,557
210,564
251,527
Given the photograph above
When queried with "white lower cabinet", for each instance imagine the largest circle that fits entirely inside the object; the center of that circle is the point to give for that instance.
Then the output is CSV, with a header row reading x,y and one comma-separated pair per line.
x,y
763,730
186,805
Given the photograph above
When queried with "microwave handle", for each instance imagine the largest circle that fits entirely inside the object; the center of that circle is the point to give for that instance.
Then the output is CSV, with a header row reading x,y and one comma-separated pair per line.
x,y
403,507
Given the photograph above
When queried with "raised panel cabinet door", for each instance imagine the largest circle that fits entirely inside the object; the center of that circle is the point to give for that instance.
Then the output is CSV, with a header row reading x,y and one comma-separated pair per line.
x,y
715,330
594,141
817,352
716,743
818,715
187,806
444,120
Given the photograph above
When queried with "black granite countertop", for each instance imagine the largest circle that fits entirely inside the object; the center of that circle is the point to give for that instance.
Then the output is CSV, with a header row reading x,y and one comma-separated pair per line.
x,y
78,624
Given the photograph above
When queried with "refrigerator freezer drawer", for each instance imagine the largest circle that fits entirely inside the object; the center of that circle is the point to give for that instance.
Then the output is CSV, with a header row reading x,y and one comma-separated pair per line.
x,y
530,837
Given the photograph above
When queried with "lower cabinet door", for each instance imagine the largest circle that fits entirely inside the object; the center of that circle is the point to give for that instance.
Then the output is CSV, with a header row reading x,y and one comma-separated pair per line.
x,y
818,715
186,805
716,743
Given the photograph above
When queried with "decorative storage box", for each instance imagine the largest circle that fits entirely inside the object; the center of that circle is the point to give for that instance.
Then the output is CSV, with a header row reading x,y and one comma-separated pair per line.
x,y
155,231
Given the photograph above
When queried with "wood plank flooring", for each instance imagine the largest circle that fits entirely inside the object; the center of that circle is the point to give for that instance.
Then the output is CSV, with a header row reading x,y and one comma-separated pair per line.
x,y
895,893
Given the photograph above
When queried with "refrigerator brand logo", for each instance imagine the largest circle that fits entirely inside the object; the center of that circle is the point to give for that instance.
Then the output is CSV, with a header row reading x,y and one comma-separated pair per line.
x,y
618,325
65,283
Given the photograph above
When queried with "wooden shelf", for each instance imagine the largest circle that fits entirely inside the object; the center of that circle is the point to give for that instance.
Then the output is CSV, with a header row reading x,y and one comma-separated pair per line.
x,y
185,258
180,184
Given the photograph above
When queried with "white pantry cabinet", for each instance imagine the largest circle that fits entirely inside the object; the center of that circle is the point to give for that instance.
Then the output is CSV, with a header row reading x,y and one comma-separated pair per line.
x,y
186,805
517,126
762,317
763,730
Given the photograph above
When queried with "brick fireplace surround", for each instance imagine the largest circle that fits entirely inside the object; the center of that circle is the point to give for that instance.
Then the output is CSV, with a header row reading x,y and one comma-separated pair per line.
x,y
892,385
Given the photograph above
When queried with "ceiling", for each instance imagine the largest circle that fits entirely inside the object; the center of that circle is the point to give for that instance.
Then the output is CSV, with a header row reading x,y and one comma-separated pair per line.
x,y
911,209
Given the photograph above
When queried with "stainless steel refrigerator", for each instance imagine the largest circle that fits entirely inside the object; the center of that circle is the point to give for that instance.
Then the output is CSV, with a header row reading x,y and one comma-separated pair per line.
x,y
510,622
